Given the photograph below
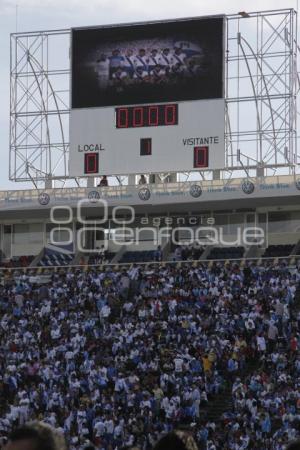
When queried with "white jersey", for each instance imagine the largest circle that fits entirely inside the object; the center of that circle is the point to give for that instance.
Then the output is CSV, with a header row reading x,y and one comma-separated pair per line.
x,y
166,60
178,364
102,71
140,75
141,61
119,75
153,60
178,58
129,62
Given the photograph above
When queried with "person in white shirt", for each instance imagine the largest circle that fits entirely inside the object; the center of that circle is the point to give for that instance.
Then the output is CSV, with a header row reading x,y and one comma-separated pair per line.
x,y
158,74
261,343
178,362
166,59
102,71
129,63
153,59
109,426
178,56
120,76
23,408
141,60
99,427
140,74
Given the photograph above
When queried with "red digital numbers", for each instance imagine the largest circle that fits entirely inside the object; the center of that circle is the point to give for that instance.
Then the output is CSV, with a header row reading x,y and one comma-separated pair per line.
x,y
122,117
146,116
170,114
91,163
153,116
201,157
138,117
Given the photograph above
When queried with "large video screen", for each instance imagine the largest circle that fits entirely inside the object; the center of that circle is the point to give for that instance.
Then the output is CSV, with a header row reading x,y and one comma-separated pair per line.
x,y
147,63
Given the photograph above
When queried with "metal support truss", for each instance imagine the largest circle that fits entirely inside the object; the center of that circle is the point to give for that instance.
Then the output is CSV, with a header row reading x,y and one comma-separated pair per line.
x,y
39,106
261,92
261,87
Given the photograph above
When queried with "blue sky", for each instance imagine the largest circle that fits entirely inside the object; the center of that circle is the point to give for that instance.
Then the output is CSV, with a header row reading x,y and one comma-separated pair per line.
x,y
53,14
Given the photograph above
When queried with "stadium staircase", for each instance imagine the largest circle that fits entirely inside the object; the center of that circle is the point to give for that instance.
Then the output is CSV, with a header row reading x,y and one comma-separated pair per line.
x,y
38,257
218,405
206,252
280,250
254,251
226,253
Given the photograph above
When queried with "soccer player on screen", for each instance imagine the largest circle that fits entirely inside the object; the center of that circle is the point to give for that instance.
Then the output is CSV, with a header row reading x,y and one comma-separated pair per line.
x,y
119,77
166,59
153,59
140,74
115,61
178,56
141,60
158,74
102,71
177,72
129,62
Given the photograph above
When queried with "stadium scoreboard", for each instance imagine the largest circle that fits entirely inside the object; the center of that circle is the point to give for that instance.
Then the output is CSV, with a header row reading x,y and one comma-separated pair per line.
x,y
147,97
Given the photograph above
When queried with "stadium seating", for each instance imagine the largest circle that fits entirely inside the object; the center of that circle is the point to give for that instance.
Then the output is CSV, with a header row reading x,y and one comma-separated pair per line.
x,y
17,261
95,259
226,253
138,256
278,250
53,258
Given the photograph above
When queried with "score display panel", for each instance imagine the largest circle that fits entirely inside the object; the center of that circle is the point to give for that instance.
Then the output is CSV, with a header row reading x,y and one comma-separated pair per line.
x,y
146,116
147,98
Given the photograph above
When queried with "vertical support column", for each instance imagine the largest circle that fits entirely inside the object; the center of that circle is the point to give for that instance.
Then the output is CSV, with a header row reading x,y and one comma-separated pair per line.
x,y
216,174
90,182
48,184
131,180
172,178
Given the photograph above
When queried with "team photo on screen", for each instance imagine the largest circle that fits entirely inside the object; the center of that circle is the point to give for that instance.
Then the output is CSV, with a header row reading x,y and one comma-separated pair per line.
x,y
147,63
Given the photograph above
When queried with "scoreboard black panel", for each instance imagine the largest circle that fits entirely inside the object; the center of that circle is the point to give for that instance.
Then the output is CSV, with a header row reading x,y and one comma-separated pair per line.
x,y
148,63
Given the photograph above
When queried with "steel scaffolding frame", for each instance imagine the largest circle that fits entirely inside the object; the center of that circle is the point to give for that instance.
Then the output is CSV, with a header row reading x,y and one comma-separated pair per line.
x,y
39,106
261,87
261,91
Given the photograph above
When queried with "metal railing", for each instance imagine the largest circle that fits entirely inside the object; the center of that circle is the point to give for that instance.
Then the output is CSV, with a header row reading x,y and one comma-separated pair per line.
x,y
21,197
291,260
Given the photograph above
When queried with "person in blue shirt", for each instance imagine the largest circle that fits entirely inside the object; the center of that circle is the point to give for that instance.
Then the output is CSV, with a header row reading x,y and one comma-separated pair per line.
x,y
265,424
116,60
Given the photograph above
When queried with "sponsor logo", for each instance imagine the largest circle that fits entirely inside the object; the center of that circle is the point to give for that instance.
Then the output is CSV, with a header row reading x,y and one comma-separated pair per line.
x,y
44,198
93,195
144,194
195,191
248,187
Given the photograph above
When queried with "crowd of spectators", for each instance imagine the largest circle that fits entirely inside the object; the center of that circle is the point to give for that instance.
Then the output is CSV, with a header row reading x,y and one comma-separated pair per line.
x,y
16,261
117,357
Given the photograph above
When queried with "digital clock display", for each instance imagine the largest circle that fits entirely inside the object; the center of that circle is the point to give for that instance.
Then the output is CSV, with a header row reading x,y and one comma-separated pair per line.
x,y
146,116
